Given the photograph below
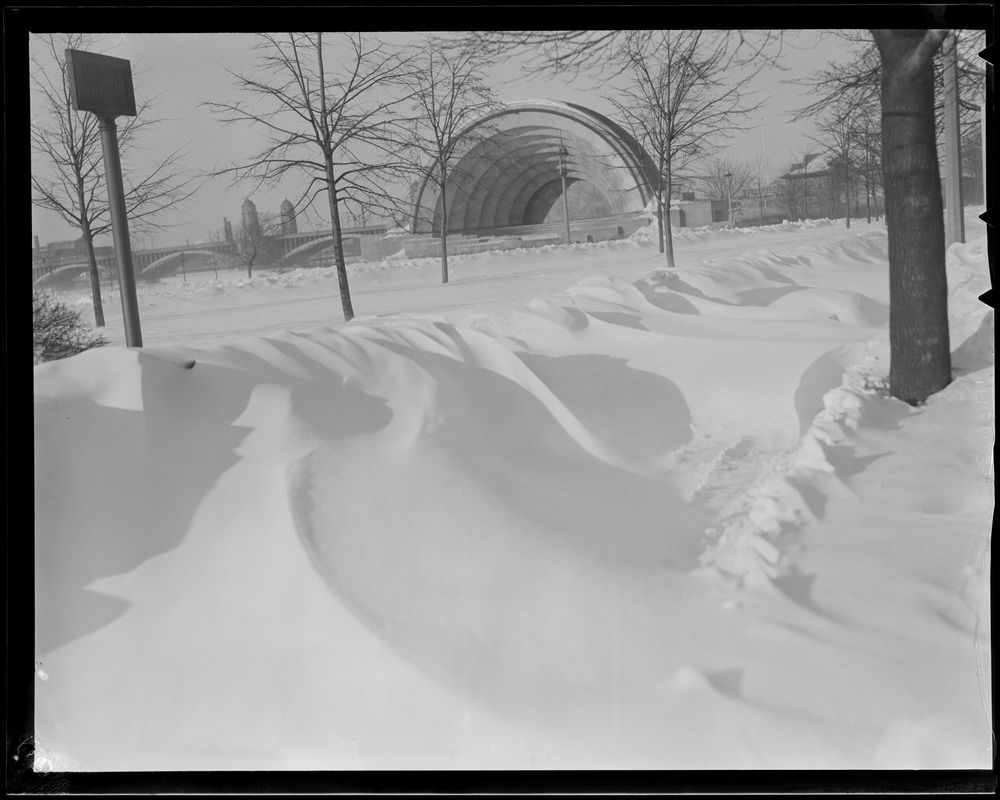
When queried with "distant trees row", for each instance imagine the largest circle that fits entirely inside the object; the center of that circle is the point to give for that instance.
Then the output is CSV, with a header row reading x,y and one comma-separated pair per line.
x,y
848,111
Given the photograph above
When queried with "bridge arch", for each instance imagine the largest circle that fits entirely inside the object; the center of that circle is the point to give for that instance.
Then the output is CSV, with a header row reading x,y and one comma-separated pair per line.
x,y
172,262
507,172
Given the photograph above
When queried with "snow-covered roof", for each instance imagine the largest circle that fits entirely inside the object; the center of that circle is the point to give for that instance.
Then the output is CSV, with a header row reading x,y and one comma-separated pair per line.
x,y
812,166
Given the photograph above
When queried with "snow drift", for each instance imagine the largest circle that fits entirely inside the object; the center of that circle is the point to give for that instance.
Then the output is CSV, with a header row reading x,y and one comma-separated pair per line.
x,y
665,520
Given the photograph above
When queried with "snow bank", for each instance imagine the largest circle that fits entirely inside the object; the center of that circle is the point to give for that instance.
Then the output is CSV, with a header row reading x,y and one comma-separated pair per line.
x,y
665,519
648,234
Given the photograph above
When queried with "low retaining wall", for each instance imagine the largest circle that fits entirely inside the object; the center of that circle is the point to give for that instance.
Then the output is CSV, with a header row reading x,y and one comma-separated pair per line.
x,y
429,246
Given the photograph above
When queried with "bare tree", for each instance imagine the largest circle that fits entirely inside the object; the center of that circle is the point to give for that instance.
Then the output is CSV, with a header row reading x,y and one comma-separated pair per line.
x,y
804,174
856,79
361,216
865,124
568,53
602,54
972,150
68,177
449,93
324,117
678,103
790,195
760,181
254,239
725,178
918,287
838,136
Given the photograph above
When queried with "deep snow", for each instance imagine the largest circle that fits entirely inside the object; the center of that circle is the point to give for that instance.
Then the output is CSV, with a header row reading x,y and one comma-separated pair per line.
x,y
572,510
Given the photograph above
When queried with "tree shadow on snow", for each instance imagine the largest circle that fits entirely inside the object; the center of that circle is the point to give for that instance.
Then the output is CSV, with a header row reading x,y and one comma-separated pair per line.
x,y
976,352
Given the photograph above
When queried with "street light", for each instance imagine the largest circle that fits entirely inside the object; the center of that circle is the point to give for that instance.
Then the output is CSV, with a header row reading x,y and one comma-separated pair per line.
x,y
563,171
729,196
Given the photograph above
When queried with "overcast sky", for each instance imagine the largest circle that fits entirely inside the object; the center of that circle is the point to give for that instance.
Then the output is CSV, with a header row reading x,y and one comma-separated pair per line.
x,y
183,70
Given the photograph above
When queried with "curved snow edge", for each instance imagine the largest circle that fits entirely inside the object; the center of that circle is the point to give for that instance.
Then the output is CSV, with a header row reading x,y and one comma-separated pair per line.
x,y
757,543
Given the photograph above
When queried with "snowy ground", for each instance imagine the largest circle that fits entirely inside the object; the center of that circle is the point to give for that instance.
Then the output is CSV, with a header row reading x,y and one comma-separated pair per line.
x,y
571,510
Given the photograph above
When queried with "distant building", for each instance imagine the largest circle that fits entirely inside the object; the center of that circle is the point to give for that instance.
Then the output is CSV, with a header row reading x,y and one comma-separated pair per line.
x,y
227,228
698,213
758,205
825,184
813,165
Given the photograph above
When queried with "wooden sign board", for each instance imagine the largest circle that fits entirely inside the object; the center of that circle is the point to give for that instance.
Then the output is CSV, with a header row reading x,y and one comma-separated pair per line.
x,y
101,84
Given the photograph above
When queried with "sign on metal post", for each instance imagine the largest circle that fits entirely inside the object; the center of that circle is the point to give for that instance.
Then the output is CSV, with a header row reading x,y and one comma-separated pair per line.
x,y
102,85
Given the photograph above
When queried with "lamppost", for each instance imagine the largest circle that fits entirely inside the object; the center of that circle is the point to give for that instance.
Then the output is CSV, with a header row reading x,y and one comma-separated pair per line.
x,y
563,171
760,198
805,185
729,196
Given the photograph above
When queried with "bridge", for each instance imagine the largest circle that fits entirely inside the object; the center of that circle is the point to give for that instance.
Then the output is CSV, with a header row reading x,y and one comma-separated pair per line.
x,y
283,251
148,264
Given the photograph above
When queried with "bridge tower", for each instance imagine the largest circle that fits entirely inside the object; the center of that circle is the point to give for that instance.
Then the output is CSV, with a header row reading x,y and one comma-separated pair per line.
x,y
288,223
250,221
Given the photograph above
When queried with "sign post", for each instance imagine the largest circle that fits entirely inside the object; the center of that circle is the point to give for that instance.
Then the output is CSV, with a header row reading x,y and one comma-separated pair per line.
x,y
103,85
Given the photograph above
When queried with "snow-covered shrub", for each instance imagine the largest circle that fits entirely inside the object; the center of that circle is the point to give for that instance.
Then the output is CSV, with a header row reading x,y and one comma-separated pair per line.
x,y
59,331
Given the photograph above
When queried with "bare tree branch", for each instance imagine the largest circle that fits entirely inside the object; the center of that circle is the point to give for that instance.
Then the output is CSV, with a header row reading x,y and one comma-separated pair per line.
x,y
678,103
324,118
448,95
67,171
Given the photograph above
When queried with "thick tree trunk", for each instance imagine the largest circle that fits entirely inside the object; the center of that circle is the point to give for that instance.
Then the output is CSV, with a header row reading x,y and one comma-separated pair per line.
x,y
918,289
338,246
